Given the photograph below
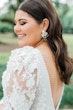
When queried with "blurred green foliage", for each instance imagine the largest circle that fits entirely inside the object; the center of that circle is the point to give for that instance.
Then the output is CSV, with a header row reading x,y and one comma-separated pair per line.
x,y
67,101
5,27
3,60
65,11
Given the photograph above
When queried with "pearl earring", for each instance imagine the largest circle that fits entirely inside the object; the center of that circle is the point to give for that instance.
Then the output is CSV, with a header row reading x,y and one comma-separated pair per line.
x,y
44,35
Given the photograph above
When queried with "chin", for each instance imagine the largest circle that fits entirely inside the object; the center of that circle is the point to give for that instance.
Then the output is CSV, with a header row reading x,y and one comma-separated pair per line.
x,y
21,45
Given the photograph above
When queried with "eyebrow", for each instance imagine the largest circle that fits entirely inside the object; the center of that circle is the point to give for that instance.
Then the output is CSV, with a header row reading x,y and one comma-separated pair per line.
x,y
20,19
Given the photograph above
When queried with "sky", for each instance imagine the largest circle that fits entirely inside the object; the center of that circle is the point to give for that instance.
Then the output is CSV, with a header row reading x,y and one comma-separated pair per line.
x,y
2,2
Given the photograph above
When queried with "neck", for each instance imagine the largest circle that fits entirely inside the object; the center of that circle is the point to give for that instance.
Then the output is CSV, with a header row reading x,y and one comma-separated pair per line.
x,y
39,43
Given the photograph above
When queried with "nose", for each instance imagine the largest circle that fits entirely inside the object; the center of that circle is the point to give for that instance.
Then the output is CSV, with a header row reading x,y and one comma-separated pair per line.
x,y
17,28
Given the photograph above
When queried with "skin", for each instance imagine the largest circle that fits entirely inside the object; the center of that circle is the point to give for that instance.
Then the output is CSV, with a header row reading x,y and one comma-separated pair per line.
x,y
27,29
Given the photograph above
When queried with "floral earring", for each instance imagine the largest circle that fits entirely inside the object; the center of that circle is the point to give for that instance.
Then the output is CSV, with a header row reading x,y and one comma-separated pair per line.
x,y
44,35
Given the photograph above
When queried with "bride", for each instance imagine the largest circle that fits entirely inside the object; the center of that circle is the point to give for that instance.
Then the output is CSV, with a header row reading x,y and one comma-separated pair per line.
x,y
37,71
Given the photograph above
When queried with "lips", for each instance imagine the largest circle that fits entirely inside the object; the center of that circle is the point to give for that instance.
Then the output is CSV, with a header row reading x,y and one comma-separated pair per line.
x,y
20,36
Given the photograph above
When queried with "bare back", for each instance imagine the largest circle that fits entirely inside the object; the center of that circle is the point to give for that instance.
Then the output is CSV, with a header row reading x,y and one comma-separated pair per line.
x,y
56,83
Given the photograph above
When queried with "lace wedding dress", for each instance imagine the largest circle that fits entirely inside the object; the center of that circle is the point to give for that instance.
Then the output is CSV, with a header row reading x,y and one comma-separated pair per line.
x,y
26,84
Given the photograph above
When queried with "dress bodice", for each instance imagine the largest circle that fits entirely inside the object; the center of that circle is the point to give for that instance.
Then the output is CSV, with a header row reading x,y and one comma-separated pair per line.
x,y
26,84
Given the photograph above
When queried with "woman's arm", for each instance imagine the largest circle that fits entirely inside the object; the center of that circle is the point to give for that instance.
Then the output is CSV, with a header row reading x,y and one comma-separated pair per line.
x,y
22,82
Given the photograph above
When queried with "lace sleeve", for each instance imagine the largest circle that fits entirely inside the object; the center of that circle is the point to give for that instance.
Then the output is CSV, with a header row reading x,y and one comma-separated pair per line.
x,y
20,81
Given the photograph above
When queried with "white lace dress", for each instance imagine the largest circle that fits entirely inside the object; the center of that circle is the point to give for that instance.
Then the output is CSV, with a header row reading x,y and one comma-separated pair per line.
x,y
26,85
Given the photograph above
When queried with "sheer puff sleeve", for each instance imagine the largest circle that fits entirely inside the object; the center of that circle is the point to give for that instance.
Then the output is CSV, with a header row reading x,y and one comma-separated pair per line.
x,y
20,80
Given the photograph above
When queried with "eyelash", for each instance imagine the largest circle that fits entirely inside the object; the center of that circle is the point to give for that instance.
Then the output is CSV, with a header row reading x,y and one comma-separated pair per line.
x,y
21,23
14,23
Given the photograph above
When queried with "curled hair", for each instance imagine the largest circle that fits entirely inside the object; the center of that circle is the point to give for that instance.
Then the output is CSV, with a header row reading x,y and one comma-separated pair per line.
x,y
40,9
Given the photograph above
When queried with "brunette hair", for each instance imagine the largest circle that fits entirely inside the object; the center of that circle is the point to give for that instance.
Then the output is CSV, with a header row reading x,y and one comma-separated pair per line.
x,y
40,9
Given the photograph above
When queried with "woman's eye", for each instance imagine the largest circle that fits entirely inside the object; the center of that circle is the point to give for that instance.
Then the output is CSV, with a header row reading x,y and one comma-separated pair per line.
x,y
22,23
14,23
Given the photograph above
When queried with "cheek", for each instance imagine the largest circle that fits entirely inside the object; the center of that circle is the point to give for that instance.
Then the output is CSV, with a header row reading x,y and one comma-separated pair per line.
x,y
32,30
33,35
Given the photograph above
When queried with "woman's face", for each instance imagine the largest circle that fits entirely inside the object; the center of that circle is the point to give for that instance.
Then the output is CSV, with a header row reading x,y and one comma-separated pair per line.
x,y
27,29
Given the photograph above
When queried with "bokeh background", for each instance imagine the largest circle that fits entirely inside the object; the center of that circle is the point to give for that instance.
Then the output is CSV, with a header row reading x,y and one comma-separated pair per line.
x,y
8,40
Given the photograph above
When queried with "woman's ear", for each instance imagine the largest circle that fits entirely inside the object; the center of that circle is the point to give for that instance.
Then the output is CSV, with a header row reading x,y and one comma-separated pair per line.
x,y
45,24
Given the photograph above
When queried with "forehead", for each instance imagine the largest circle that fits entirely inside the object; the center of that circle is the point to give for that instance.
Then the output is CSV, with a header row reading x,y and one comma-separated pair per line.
x,y
22,15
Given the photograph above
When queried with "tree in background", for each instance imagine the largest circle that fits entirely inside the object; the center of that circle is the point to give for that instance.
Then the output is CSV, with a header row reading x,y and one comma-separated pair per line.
x,y
65,12
11,8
